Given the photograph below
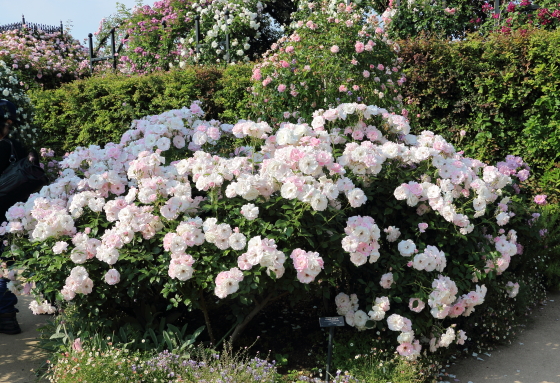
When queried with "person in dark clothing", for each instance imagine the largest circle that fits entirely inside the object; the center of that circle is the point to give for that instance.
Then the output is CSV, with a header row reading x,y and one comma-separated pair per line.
x,y
8,117
6,124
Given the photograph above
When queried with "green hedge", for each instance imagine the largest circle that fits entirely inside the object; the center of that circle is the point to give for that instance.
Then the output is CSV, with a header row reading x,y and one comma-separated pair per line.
x,y
503,91
98,110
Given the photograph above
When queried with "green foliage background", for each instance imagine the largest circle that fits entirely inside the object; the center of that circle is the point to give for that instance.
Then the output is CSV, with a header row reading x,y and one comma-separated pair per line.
x,y
98,110
503,91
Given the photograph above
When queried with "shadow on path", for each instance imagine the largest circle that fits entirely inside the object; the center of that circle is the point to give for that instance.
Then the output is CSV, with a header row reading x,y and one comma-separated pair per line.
x,y
18,354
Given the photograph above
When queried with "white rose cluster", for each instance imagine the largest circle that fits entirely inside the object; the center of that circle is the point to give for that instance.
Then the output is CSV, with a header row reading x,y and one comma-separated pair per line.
x,y
12,90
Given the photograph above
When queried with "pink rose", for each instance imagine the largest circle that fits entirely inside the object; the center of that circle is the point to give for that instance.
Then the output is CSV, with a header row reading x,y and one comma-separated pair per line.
x,y
419,307
77,345
281,88
386,280
359,47
540,199
112,277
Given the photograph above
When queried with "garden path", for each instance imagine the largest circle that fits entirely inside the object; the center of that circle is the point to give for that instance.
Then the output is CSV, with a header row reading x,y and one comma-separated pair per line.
x,y
533,357
18,354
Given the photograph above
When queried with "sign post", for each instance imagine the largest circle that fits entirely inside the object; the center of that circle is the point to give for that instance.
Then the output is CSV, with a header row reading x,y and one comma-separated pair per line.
x,y
331,322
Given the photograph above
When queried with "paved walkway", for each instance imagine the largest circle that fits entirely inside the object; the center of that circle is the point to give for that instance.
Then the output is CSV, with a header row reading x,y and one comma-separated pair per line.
x,y
18,356
533,357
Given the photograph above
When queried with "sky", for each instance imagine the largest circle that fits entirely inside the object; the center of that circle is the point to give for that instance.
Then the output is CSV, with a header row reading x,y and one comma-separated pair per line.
x,y
85,15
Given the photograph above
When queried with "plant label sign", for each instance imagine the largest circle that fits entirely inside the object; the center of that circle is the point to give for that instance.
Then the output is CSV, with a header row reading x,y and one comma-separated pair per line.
x,y
331,321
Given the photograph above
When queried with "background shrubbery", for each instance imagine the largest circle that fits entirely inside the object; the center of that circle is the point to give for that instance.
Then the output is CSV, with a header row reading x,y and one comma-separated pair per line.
x,y
98,110
502,91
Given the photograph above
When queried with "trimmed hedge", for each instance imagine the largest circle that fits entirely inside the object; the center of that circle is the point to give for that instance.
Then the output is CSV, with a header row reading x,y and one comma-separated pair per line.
x,y
98,110
503,91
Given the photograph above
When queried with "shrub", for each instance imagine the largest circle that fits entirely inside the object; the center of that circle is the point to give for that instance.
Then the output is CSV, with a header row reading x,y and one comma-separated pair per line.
x,y
333,56
13,90
521,16
233,95
42,59
153,45
445,19
358,204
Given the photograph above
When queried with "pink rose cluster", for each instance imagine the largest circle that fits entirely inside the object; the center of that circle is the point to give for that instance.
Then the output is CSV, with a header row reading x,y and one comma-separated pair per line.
x,y
220,234
507,246
45,307
44,54
227,282
361,240
308,264
443,299
78,282
448,337
252,129
263,252
430,259
408,347
360,46
345,303
349,307
378,310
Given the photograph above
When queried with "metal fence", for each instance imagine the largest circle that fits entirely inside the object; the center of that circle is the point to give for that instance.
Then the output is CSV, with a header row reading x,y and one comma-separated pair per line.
x,y
32,27
115,52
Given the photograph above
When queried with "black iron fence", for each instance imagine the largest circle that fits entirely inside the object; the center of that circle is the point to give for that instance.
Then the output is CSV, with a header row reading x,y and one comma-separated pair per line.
x,y
115,52
32,27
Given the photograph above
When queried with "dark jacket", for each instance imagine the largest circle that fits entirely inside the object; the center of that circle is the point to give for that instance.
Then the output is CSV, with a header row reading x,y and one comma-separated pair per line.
x,y
5,153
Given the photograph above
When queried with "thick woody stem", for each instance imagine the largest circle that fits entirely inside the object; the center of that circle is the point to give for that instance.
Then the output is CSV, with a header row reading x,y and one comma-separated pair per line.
x,y
241,326
207,318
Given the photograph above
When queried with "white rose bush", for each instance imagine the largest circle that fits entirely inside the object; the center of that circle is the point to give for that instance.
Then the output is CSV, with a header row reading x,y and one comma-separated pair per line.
x,y
13,90
163,35
400,231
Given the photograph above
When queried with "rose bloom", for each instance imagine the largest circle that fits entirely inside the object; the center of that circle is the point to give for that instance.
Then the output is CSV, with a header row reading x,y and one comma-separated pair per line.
x,y
386,280
418,307
281,88
342,88
335,49
540,199
112,277
359,47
